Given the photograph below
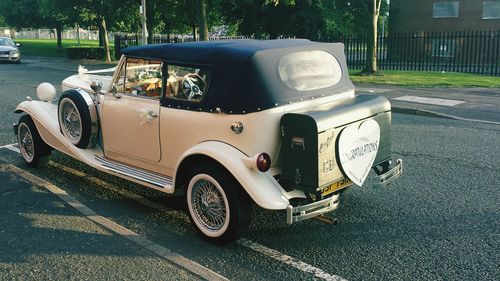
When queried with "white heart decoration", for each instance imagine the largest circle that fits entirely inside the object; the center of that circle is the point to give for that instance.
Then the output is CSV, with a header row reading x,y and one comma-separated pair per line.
x,y
358,147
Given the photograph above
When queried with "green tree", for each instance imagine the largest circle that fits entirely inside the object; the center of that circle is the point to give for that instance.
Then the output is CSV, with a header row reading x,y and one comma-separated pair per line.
x,y
362,16
153,14
57,14
186,16
104,13
36,14
201,16
126,17
313,19
21,13
278,2
371,50
288,18
183,19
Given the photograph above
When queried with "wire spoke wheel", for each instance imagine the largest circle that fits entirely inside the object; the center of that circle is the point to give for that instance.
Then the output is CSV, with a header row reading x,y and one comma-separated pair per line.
x,y
26,142
71,122
34,150
217,204
75,118
209,205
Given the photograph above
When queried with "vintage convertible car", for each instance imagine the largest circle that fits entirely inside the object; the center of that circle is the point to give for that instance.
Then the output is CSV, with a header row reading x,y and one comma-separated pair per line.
x,y
224,123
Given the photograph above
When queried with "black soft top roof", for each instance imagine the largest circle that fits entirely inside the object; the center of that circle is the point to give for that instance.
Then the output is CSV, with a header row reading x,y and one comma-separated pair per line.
x,y
245,77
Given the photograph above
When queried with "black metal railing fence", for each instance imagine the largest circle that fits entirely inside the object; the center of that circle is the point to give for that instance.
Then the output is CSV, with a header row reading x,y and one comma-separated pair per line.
x,y
454,51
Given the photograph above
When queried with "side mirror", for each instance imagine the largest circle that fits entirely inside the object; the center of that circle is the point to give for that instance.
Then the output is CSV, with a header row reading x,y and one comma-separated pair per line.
x,y
96,86
18,45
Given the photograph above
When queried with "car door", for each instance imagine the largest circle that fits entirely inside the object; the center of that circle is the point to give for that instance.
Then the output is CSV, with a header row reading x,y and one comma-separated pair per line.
x,y
130,114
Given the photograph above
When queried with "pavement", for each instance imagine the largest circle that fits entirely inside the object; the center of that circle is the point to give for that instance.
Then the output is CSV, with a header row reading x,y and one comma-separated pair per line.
x,y
469,104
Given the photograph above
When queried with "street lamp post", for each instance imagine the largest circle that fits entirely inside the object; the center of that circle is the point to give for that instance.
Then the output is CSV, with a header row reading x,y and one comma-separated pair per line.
x,y
143,19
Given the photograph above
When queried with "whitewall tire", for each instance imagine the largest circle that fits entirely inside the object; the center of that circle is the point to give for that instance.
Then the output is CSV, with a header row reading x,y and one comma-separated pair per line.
x,y
35,152
217,205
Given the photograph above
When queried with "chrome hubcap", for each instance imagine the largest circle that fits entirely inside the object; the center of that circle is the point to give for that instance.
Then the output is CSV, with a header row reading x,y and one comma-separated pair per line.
x,y
208,205
71,121
26,142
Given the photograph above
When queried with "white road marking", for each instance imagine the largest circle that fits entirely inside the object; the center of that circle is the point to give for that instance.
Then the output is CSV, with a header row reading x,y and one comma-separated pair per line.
x,y
302,266
274,254
13,146
433,101
159,250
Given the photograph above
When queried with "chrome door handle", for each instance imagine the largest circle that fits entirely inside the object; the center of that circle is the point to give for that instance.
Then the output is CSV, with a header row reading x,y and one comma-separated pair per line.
x,y
152,114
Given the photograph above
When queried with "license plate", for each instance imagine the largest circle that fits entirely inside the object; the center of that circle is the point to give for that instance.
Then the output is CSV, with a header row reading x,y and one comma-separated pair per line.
x,y
335,186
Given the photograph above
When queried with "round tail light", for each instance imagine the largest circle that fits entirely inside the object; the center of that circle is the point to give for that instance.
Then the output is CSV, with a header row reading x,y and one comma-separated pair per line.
x,y
263,162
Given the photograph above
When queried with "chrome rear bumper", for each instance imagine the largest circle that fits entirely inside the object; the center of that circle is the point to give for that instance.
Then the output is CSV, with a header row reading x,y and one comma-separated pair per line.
x,y
385,175
304,212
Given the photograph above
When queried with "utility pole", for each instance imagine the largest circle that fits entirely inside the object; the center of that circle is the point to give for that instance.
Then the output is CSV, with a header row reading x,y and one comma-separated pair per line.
x,y
143,19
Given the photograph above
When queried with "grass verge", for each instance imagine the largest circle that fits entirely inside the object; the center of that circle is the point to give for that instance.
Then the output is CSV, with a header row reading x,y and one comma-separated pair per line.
x,y
427,79
48,47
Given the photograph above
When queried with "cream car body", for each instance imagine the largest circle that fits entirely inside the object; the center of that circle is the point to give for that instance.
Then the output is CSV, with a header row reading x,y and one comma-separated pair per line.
x,y
151,125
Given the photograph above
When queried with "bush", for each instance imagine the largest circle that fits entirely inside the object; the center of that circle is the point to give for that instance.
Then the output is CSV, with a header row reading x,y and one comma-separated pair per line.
x,y
76,53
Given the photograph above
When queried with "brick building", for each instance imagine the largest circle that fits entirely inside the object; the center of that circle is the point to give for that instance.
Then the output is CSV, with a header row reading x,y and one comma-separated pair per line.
x,y
444,15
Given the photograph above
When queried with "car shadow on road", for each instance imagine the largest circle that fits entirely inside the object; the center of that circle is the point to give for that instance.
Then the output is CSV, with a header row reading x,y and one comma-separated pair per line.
x,y
35,222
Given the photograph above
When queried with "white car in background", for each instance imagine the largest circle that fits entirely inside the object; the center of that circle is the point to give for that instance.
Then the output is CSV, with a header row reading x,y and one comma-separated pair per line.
x,y
9,51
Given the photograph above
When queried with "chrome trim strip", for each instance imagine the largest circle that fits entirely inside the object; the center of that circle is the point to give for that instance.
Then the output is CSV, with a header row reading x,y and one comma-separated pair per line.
x,y
304,212
132,170
136,173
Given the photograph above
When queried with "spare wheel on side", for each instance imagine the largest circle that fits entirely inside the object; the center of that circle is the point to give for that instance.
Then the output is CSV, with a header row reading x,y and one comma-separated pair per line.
x,y
77,118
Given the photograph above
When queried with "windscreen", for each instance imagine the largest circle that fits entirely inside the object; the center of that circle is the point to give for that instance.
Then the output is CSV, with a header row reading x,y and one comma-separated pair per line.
x,y
6,42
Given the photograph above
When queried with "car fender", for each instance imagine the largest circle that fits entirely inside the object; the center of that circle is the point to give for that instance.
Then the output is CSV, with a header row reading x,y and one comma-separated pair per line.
x,y
263,188
44,115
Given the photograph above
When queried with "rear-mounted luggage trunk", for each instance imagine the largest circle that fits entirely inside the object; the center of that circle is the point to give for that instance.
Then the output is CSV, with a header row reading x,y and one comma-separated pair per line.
x,y
309,142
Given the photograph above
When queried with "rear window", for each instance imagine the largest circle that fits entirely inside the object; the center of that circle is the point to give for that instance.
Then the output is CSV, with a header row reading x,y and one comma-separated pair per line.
x,y
309,70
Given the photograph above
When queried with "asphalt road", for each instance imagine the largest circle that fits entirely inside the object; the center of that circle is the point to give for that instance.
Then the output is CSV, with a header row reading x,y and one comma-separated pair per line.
x,y
441,221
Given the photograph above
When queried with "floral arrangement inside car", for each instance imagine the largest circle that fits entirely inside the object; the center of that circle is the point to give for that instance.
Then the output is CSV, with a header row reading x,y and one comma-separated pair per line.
x,y
225,123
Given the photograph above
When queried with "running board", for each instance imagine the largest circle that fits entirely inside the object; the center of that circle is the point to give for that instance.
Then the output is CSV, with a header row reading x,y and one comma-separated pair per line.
x,y
135,173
